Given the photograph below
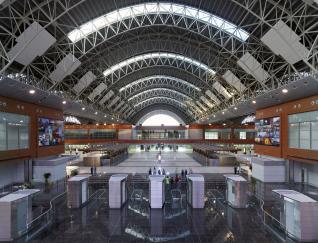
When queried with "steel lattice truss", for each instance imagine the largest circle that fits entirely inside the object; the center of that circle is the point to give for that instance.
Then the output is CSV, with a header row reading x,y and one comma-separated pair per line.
x,y
254,16
158,92
160,100
157,82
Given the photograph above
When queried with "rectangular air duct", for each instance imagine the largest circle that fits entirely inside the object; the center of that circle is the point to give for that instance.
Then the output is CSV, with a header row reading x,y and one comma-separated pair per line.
x,y
106,97
213,97
232,80
33,42
84,82
97,91
113,102
251,66
64,68
219,88
283,41
123,108
201,106
119,105
206,101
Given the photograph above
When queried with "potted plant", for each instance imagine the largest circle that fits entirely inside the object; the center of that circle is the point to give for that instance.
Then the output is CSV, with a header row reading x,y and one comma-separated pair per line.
x,y
46,177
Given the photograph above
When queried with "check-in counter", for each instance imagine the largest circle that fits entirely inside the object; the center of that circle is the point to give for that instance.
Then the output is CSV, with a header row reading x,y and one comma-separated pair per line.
x,y
156,191
77,191
236,191
195,190
117,190
15,213
299,213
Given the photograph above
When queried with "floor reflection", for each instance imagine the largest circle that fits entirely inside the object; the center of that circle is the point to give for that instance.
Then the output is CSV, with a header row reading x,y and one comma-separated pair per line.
x,y
176,222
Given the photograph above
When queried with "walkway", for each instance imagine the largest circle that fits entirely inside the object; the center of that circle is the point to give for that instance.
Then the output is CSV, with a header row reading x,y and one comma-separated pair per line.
x,y
140,162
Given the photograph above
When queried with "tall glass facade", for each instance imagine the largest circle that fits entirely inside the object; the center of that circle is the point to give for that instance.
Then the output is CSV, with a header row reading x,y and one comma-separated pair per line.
x,y
303,130
14,131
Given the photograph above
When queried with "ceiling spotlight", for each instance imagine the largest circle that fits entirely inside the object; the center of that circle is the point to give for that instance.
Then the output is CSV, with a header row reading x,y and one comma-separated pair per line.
x,y
210,124
224,124
235,108
105,124
222,112
21,121
64,102
97,124
254,101
112,118
285,91
32,91
83,108
105,116
214,116
96,113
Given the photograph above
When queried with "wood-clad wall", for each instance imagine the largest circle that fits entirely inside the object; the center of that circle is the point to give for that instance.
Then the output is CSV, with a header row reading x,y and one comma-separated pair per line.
x,y
33,111
283,110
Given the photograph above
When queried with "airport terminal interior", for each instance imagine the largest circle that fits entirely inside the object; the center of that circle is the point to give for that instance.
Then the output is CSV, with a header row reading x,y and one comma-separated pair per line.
x,y
158,121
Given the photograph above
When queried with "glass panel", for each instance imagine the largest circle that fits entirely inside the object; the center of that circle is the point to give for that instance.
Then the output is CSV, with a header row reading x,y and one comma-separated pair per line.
x,y
13,135
14,131
314,135
3,135
304,135
294,135
24,136
242,135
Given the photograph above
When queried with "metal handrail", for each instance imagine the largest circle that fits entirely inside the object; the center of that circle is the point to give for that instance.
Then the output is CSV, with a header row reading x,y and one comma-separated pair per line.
x,y
47,212
282,226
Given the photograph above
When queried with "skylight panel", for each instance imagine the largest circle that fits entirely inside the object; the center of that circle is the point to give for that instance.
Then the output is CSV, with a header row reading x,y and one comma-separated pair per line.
x,y
156,8
157,55
158,77
159,97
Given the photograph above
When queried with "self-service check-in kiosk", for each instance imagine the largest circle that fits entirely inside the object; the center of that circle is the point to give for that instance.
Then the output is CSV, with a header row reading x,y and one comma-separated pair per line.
x,y
236,191
77,191
117,190
15,213
195,190
299,214
157,191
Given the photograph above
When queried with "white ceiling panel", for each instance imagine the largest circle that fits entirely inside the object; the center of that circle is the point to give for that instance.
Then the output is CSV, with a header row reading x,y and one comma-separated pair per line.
x,y
64,68
33,42
250,65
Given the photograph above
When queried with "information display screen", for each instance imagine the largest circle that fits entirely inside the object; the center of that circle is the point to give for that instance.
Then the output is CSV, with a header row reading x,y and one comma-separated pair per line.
x,y
268,131
50,132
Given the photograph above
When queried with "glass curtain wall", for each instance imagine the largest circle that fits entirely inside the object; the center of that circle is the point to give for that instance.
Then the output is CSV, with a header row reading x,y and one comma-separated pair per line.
x,y
14,131
303,130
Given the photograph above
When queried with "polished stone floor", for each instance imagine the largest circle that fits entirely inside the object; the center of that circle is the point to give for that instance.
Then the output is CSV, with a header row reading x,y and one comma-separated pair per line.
x,y
140,162
136,222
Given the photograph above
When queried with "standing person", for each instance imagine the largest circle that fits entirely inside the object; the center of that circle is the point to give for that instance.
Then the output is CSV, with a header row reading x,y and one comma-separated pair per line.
x,y
182,173
185,172
163,171
154,170
159,172
150,172
92,170
235,169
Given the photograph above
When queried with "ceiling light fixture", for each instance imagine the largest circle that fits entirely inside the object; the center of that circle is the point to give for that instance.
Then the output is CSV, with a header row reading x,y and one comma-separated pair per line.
x,y
285,91
83,108
32,91
63,102
254,101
